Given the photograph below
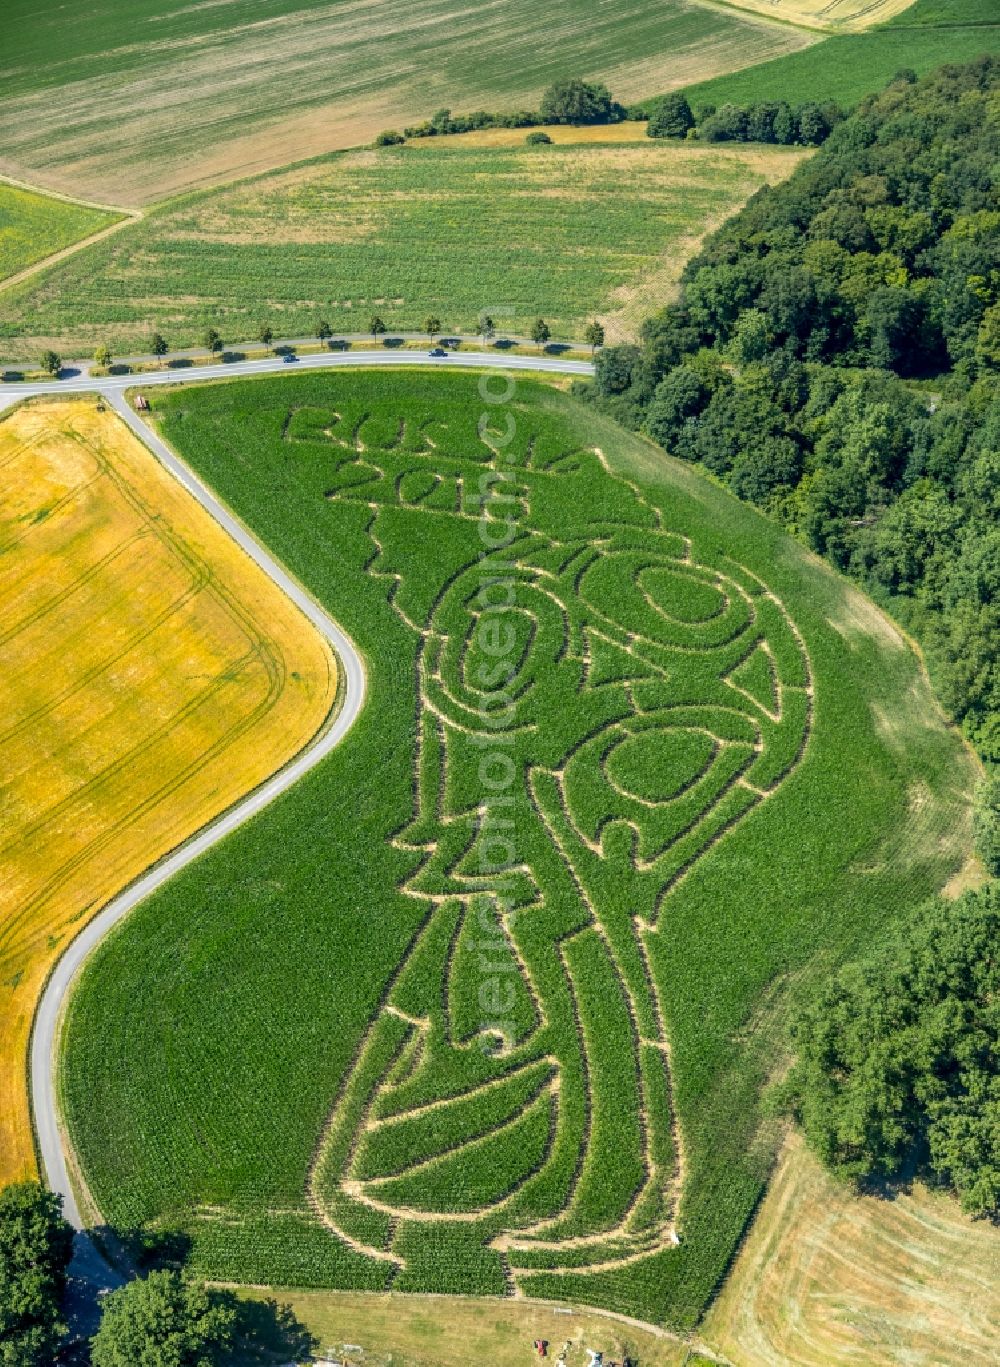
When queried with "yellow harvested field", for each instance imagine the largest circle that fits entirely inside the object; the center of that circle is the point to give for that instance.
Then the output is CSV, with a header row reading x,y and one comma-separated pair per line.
x,y
150,675
828,1277
630,130
850,16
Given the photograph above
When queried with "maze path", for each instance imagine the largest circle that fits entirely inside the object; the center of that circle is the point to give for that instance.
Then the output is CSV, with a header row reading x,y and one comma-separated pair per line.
x,y
517,1082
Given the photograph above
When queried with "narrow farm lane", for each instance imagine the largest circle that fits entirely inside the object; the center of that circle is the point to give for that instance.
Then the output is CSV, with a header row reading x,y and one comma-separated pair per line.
x,y
90,1274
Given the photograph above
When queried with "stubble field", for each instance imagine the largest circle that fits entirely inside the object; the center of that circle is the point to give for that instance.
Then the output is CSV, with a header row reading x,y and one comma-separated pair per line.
x,y
149,676
159,98
825,1276
725,771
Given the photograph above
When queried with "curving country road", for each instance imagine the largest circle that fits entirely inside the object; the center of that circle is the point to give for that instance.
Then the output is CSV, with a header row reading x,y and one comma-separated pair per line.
x,y
333,360
89,1270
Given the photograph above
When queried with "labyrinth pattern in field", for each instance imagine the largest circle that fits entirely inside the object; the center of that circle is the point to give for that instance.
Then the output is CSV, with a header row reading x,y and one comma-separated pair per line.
x,y
596,708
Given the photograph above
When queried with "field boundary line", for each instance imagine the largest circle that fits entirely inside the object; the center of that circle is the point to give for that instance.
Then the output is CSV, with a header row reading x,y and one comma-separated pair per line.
x,y
777,20
131,217
70,199
45,1088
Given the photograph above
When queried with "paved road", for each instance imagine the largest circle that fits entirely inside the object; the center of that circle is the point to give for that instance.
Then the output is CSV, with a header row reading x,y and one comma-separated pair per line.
x,y
89,1272
334,360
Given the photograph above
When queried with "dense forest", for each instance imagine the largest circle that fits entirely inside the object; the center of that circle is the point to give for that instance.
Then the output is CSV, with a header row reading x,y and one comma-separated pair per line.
x,y
834,357
896,1070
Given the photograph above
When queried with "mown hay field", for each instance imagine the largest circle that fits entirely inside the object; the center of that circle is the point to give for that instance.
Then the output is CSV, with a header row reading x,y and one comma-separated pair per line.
x,y
150,675
403,232
168,97
847,66
826,1276
634,771
33,226
849,15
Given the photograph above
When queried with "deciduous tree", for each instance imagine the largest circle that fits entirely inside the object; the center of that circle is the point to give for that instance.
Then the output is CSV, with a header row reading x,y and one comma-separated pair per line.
x,y
579,102
986,816
670,117
36,1245
897,1055
594,336
163,1320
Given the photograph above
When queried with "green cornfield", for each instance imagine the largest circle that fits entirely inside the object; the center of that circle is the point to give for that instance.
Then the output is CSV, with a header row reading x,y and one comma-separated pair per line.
x,y
489,1001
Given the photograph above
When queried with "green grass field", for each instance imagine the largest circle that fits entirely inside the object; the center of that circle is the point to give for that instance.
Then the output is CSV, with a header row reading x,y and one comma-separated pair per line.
x,y
488,1000
404,232
155,97
845,67
33,226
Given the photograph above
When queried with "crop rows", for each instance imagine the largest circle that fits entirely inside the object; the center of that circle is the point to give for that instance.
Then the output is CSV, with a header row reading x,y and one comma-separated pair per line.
x,y
702,675
175,98
406,233
471,1067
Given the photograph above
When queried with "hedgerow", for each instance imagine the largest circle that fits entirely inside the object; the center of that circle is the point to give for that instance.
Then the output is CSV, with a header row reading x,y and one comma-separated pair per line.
x,y
315,1074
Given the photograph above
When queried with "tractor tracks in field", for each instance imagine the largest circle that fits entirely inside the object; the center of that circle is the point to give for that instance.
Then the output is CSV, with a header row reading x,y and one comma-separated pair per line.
x,y
89,1272
126,218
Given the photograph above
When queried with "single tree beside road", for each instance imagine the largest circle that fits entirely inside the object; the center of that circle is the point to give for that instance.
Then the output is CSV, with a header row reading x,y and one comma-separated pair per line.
x,y
487,328
51,362
170,1320
432,326
212,340
163,1320
540,331
376,327
265,336
158,345
103,356
323,331
594,336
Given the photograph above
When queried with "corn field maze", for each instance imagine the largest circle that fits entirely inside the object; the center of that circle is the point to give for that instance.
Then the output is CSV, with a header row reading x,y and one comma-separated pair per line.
x,y
645,703
487,1004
